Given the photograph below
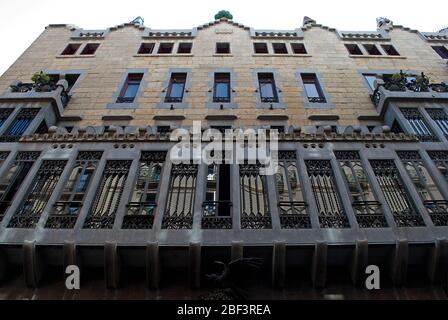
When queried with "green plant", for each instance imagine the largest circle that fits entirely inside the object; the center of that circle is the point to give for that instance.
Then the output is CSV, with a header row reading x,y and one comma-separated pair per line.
x,y
40,78
399,77
223,14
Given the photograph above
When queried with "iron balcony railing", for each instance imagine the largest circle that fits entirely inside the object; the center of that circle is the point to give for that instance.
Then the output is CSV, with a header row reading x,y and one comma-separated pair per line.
x,y
293,215
140,215
217,214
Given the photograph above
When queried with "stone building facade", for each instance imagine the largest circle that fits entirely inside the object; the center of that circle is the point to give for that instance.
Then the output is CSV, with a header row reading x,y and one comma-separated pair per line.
x,y
86,178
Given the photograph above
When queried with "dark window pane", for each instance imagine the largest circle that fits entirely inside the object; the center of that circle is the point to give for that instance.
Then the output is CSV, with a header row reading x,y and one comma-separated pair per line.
x,y
90,48
146,48
442,51
71,49
390,50
165,48
223,47
353,49
280,48
185,47
130,88
298,48
372,49
261,47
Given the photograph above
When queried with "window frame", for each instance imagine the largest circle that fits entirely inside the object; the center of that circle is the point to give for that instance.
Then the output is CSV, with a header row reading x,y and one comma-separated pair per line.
x,y
218,49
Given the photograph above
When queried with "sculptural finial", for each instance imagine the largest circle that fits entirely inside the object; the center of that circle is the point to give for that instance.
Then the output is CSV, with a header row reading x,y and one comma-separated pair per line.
x,y
139,20
382,22
307,20
223,14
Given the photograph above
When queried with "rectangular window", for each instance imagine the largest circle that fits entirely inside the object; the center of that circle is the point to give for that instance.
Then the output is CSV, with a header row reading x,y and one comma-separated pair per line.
x,y
440,118
424,184
42,128
353,49
441,51
298,48
163,129
312,87
372,49
130,88
390,50
3,156
66,210
261,47
146,48
367,208
268,89
184,47
140,209
223,47
107,198
38,194
71,49
291,204
176,87
397,199
370,78
19,125
279,48
221,89
181,196
165,48
4,114
90,49
14,177
418,124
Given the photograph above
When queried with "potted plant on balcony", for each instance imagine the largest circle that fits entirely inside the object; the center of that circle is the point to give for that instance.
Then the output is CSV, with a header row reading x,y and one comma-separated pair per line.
x,y
397,82
42,82
420,84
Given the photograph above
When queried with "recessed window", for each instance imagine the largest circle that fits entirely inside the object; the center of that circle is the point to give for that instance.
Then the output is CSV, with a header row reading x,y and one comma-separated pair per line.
x,y
71,78
370,78
390,50
280,129
353,49
442,51
130,88
280,48
222,47
221,90
312,87
163,129
298,48
90,48
146,48
260,47
175,92
42,128
185,47
71,49
372,49
268,89
165,48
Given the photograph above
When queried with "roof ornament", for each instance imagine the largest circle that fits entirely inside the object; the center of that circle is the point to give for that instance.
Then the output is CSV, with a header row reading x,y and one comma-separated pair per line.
x,y
444,30
139,20
382,22
223,14
307,20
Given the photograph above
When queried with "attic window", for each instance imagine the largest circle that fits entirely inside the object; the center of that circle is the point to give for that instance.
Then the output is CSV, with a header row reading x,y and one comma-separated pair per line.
x,y
260,47
165,48
146,48
298,48
71,49
90,48
353,49
185,47
223,47
390,50
280,48
372,49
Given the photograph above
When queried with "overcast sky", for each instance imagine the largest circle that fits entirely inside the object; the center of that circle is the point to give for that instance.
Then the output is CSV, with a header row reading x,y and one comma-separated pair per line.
x,y
22,21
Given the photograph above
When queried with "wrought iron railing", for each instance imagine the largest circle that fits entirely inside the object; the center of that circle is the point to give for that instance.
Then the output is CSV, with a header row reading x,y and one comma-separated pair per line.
x,y
438,211
173,99
217,215
140,215
125,99
369,214
269,99
293,215
65,216
221,99
317,99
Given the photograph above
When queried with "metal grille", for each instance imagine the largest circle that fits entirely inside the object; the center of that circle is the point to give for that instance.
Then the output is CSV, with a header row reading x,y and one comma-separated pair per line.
x,y
13,179
254,204
19,125
426,188
4,114
291,205
440,159
181,196
396,196
3,156
331,213
367,208
140,210
102,214
39,193
66,210
440,118
418,124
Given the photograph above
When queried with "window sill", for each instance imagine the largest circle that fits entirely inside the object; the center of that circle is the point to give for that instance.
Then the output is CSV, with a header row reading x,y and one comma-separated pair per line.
x,y
76,56
164,55
376,56
222,55
306,55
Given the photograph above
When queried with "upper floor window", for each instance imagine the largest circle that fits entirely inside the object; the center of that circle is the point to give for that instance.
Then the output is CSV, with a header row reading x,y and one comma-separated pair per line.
x,y
222,47
4,114
184,47
280,48
261,47
146,48
312,88
418,124
71,49
268,89
221,90
390,50
442,51
370,78
130,88
353,49
298,48
440,118
372,49
19,125
176,87
90,48
165,48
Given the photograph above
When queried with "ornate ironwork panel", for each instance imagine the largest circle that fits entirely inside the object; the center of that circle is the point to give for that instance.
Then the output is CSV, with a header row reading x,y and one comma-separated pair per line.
x,y
323,184
140,210
3,156
291,205
13,179
4,114
102,214
43,185
19,125
181,196
367,208
440,118
66,210
418,124
440,159
425,185
255,212
396,196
